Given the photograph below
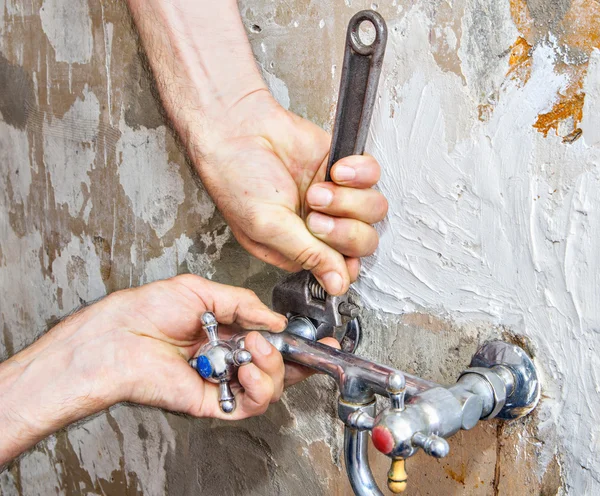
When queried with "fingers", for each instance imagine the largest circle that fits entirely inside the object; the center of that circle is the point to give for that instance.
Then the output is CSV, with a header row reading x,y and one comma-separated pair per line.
x,y
258,389
267,359
295,373
353,265
343,211
367,205
282,230
350,237
262,381
233,305
356,171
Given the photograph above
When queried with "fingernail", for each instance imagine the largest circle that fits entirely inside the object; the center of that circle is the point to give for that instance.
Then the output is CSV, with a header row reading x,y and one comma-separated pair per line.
x,y
254,373
319,197
333,282
263,346
320,224
343,173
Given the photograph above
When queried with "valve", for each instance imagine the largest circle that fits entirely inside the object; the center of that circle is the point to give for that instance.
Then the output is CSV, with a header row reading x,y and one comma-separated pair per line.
x,y
396,432
218,361
433,445
396,390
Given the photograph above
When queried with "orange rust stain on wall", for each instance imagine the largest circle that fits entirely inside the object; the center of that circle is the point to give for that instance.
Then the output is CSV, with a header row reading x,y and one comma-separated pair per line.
x,y
522,18
520,60
577,35
569,106
459,477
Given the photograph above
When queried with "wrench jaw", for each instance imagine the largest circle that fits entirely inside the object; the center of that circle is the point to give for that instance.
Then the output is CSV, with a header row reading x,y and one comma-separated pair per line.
x,y
332,316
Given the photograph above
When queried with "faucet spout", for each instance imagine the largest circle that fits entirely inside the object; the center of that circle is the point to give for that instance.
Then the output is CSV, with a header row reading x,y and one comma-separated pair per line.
x,y
357,463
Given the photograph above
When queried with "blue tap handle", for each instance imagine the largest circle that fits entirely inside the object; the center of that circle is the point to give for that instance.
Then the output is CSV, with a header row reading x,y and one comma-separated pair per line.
x,y
218,361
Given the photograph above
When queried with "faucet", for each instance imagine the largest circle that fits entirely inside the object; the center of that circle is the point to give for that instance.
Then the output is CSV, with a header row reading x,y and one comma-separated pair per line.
x,y
501,382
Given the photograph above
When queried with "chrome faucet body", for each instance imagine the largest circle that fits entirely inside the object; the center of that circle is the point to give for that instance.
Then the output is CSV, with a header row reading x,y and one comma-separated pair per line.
x,y
500,383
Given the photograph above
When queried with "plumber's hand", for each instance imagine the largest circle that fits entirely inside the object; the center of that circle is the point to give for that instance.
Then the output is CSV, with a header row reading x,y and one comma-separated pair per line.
x,y
134,346
157,329
265,167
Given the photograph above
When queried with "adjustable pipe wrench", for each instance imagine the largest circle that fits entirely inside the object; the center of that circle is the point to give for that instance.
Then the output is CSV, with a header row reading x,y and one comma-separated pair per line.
x,y
301,294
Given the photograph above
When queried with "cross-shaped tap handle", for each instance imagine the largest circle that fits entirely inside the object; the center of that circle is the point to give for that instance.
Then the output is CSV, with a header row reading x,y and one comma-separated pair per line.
x,y
396,389
218,361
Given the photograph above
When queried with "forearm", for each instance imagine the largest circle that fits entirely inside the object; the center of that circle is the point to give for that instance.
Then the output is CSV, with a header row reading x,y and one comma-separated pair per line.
x,y
200,57
43,389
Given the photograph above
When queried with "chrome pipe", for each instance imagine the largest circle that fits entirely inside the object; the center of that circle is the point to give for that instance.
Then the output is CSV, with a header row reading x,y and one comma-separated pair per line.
x,y
358,379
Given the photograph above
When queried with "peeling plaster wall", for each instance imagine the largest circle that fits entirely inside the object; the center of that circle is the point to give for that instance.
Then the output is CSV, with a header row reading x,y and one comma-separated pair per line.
x,y
487,129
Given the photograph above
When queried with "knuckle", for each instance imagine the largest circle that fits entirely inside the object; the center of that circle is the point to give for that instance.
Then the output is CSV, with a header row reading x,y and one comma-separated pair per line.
x,y
276,397
196,410
262,405
354,235
248,294
374,166
309,258
186,278
362,239
261,226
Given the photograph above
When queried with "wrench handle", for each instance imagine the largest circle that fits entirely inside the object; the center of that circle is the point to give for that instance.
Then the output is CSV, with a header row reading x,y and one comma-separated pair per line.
x,y
358,88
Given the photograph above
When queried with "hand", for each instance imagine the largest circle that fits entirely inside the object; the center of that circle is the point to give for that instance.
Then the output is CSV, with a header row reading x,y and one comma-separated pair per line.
x,y
262,165
265,167
160,330
134,346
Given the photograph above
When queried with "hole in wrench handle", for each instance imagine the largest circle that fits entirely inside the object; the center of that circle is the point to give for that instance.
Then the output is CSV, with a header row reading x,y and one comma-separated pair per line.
x,y
358,88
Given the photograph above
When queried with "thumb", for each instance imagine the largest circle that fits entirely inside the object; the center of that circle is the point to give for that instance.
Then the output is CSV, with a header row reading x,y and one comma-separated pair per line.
x,y
288,234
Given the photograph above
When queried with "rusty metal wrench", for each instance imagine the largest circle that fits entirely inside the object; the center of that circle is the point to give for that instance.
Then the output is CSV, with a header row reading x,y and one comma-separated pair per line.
x,y
300,294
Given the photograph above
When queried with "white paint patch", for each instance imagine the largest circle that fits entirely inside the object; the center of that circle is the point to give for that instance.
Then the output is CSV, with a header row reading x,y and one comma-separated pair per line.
x,y
500,227
590,123
39,474
203,206
77,271
203,263
278,88
70,151
14,157
152,183
145,455
168,263
487,34
97,447
22,310
68,26
108,29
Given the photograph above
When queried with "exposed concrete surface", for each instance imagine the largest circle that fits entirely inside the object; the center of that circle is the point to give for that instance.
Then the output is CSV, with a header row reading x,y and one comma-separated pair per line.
x,y
487,129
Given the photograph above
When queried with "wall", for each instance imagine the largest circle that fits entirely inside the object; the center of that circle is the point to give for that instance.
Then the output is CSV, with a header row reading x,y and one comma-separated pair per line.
x,y
487,128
